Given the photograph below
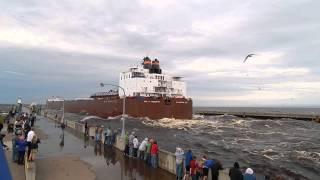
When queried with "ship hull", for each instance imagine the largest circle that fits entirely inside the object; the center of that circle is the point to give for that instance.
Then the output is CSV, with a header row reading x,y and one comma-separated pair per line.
x,y
153,108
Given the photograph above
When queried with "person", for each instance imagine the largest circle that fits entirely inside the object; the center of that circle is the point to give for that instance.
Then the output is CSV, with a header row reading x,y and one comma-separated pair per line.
x,y
2,145
215,169
154,154
30,136
193,168
33,147
142,148
10,126
26,128
126,149
97,136
147,156
199,169
108,134
188,158
32,119
21,148
179,163
131,137
86,130
15,138
208,164
1,123
235,173
135,142
248,175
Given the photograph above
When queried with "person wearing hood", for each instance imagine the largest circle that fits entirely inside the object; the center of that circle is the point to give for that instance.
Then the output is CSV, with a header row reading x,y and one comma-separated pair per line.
x,y
235,173
248,175
131,137
179,163
142,148
135,142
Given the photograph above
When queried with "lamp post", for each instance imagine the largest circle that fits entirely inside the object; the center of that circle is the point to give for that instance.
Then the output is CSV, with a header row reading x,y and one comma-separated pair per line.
x,y
62,117
123,106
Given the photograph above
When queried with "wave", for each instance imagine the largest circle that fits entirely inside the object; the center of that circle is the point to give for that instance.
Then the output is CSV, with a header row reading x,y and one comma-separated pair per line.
x,y
313,156
91,117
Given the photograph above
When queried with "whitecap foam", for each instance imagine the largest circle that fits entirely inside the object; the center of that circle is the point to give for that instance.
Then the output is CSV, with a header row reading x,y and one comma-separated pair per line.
x,y
314,156
91,117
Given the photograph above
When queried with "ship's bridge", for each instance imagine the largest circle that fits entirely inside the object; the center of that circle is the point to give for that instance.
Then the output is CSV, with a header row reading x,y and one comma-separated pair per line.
x,y
148,80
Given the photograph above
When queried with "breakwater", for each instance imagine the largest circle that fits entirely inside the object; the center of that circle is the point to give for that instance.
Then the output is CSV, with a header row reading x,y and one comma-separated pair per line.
x,y
261,115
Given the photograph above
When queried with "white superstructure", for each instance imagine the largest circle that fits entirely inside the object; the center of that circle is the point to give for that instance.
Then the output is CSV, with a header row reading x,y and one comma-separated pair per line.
x,y
148,80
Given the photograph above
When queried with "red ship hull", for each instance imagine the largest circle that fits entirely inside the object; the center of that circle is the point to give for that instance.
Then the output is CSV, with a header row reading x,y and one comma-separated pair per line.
x,y
153,108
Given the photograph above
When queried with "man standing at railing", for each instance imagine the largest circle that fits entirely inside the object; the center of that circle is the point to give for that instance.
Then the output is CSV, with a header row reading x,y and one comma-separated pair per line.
x,y
154,154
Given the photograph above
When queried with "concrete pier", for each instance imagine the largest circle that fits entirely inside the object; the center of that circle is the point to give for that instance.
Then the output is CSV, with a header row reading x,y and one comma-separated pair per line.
x,y
261,115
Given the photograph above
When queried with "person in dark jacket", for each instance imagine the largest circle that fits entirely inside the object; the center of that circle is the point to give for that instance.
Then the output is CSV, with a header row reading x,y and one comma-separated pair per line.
x,y
208,164
235,173
215,170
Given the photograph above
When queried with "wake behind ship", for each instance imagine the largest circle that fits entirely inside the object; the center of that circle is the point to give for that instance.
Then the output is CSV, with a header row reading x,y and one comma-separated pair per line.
x,y
147,91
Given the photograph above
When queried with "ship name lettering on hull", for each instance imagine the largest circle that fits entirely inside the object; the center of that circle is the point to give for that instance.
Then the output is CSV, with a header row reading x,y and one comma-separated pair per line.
x,y
151,101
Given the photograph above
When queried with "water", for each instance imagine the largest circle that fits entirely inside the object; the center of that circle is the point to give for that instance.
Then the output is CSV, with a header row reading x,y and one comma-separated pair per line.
x,y
283,146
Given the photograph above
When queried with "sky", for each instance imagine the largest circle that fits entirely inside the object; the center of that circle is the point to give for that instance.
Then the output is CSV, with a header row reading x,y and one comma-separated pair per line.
x,y
66,48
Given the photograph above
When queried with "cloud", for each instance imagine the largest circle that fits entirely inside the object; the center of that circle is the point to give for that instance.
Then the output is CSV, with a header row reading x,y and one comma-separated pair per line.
x,y
67,47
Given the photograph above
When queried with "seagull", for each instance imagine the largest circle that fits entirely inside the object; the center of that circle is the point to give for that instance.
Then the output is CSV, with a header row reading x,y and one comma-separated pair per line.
x,y
248,56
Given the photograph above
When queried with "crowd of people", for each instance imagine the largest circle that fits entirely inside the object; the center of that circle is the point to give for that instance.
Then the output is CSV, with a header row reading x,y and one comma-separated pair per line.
x,y
188,166
24,139
147,150
109,134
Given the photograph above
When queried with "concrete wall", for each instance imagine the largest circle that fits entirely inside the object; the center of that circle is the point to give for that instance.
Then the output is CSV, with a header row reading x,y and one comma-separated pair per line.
x,y
167,160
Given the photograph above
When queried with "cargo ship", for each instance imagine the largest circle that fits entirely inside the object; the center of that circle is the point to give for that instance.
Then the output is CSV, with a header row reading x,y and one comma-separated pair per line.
x,y
148,92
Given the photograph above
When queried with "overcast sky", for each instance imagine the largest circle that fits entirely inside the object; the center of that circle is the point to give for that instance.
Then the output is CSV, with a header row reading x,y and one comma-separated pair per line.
x,y
67,47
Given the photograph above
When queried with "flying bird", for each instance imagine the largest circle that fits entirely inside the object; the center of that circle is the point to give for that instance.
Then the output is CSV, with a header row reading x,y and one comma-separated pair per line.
x,y
248,56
